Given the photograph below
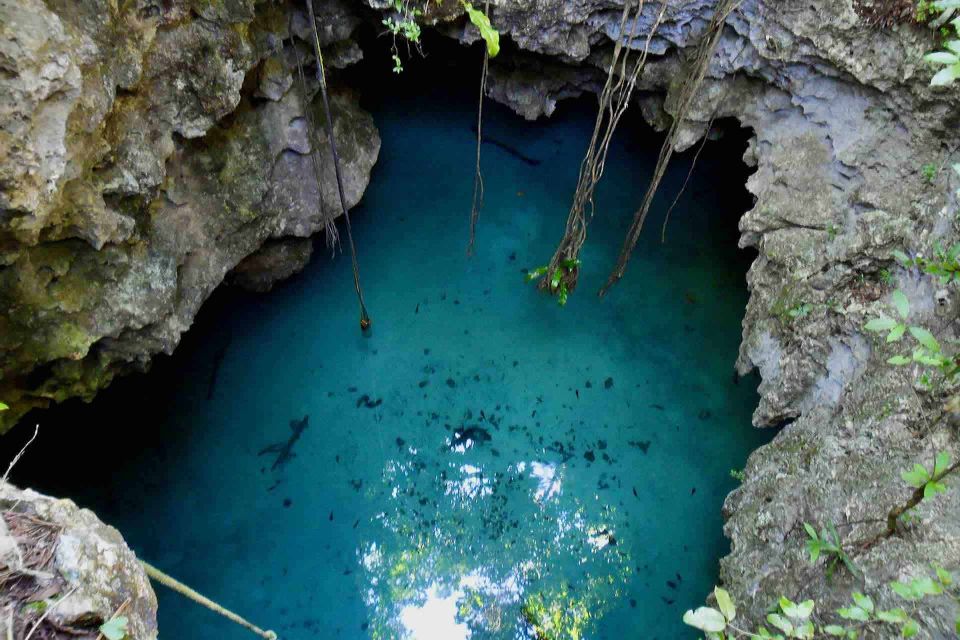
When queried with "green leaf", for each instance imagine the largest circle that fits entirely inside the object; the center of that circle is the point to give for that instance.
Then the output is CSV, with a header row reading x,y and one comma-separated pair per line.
x,y
910,629
555,279
810,531
727,608
898,360
933,488
115,628
916,477
893,616
536,273
487,32
3,407
943,576
804,609
941,463
925,338
854,613
814,547
896,333
780,623
788,607
705,619
903,590
862,601
945,76
900,303
901,257
835,630
941,57
925,586
883,323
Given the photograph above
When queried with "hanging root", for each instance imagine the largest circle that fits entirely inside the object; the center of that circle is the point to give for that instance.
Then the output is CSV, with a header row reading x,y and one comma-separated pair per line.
x,y
693,164
688,92
321,76
159,576
331,234
477,203
613,101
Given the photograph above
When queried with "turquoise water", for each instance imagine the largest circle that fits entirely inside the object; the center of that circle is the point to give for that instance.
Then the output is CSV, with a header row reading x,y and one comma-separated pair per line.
x,y
485,459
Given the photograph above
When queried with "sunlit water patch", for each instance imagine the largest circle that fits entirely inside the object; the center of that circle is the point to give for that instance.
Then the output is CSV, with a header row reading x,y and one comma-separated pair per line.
x,y
485,465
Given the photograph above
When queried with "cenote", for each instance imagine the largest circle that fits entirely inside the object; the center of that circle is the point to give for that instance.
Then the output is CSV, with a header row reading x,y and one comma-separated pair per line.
x,y
484,461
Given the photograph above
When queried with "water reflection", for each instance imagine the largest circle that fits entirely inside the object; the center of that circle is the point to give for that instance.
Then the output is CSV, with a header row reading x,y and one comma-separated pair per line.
x,y
485,550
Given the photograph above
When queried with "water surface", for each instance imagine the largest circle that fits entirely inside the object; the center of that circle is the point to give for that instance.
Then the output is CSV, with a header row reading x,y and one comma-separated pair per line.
x,y
486,463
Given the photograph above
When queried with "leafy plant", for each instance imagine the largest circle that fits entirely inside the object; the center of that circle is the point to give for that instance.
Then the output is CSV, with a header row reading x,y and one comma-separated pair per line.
x,y
737,474
403,24
801,310
828,544
3,407
929,172
945,264
115,628
710,620
894,328
557,282
932,483
482,23
949,59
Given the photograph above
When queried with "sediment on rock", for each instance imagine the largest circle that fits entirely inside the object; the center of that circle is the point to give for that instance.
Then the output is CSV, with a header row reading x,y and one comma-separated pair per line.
x,y
64,572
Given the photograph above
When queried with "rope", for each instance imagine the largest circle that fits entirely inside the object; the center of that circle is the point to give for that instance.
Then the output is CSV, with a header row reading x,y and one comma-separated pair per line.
x,y
477,202
688,92
614,99
322,77
159,576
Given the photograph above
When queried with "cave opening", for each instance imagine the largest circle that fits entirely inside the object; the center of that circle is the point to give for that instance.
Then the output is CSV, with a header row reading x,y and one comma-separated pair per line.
x,y
485,461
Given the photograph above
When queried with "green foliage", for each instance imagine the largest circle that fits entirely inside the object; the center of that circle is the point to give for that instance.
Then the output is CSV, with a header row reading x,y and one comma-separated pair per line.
x,y
930,172
932,483
828,544
37,607
557,283
737,474
487,32
949,59
710,620
927,351
3,407
886,277
944,265
115,628
925,11
801,310
403,24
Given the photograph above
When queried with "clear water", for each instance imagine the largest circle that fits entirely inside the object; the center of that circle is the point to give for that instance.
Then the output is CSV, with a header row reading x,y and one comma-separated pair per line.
x,y
485,458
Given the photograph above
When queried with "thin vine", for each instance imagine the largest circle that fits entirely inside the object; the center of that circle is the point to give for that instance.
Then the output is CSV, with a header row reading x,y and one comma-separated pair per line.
x,y
492,37
321,76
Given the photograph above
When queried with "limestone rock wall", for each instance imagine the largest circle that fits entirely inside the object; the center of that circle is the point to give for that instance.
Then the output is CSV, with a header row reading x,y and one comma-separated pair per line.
x,y
55,553
146,148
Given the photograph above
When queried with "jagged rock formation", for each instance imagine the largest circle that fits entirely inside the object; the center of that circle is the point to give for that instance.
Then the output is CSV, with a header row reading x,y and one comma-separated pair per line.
x,y
144,152
843,121
55,553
